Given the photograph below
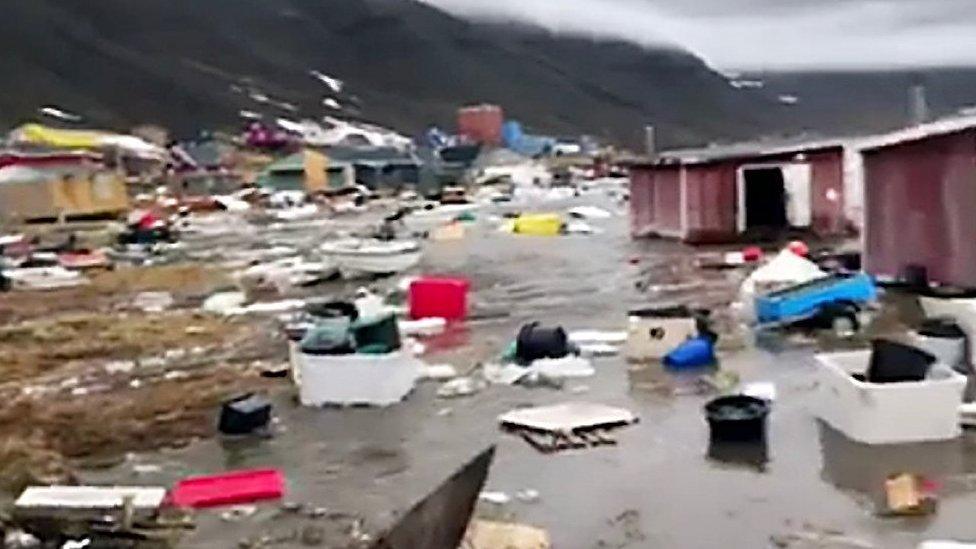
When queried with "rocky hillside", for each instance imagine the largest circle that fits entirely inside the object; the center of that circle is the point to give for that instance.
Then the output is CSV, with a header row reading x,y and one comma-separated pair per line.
x,y
195,64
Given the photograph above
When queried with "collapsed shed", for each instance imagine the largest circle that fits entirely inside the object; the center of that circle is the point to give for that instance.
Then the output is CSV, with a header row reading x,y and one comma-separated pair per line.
x,y
717,194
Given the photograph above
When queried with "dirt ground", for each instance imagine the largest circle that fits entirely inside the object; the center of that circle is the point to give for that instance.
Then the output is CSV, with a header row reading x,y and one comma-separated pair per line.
x,y
86,378
115,289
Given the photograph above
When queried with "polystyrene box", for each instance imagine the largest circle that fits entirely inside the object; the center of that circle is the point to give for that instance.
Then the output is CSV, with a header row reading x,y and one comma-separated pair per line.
x,y
650,338
887,413
353,379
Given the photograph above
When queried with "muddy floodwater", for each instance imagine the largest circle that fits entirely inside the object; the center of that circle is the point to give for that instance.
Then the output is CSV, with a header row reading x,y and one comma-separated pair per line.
x,y
660,486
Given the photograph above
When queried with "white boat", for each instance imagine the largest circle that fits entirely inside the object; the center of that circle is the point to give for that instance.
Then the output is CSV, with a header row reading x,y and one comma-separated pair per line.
x,y
426,219
283,274
364,256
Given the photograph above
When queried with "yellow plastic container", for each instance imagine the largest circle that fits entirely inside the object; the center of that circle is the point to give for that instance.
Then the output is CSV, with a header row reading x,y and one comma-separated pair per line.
x,y
547,224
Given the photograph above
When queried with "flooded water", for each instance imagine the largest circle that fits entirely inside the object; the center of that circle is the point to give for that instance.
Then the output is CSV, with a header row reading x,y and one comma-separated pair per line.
x,y
661,486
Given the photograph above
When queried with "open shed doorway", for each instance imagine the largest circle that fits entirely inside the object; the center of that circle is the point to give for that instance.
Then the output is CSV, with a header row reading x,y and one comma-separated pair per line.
x,y
774,197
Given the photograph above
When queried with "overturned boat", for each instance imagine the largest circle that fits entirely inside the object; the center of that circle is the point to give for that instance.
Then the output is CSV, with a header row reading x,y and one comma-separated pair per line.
x,y
357,257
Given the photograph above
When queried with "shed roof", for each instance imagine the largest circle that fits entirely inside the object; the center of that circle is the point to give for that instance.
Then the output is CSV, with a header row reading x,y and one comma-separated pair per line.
x,y
749,149
362,155
942,126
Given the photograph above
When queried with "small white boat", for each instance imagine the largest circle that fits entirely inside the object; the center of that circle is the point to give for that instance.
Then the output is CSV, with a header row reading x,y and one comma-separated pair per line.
x,y
364,256
426,219
283,274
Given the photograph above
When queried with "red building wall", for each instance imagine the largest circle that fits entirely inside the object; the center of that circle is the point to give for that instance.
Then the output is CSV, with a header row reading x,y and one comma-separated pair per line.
x,y
712,196
481,123
919,208
711,201
655,200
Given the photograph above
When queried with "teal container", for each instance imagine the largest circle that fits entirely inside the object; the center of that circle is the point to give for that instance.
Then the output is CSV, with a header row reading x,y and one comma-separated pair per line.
x,y
377,333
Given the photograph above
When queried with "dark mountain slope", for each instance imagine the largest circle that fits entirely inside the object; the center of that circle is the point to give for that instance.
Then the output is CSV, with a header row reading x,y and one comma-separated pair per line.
x,y
868,100
179,62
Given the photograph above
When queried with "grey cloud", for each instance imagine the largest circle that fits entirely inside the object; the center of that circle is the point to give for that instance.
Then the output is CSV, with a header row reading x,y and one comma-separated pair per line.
x,y
748,34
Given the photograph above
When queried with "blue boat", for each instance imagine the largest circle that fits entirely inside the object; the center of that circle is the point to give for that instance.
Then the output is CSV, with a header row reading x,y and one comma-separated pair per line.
x,y
806,300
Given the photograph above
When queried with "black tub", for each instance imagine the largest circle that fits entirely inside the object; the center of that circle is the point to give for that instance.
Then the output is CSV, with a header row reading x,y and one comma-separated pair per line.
x,y
737,418
893,362
534,342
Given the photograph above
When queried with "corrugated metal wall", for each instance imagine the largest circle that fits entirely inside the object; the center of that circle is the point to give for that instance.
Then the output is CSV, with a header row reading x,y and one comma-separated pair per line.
x,y
827,192
711,201
712,197
919,208
655,201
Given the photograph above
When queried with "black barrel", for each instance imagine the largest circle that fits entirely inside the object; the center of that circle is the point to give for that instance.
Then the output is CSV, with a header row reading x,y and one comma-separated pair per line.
x,y
534,342
244,414
737,418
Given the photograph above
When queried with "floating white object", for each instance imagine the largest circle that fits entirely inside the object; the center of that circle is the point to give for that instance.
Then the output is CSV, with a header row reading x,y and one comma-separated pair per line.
x,y
224,302
597,336
562,418
940,544
422,327
460,387
888,413
598,350
589,212
579,227
88,498
439,372
498,498
967,414
765,390
566,367
379,380
271,307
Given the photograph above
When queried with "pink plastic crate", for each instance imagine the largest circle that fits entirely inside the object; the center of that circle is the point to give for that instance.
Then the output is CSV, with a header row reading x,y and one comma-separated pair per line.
x,y
439,297
228,488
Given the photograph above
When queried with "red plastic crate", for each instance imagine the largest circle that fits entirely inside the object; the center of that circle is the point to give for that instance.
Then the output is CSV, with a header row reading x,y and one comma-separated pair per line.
x,y
228,488
446,298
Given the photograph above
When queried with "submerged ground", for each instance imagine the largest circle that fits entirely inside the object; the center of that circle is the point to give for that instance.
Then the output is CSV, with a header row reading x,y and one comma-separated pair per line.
x,y
657,488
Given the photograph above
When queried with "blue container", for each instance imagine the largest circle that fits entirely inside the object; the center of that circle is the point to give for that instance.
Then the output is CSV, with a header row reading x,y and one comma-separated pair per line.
x,y
693,353
805,300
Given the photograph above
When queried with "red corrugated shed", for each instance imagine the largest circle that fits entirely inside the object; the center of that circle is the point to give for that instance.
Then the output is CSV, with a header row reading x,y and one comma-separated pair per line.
x,y
919,201
481,123
710,202
709,179
655,202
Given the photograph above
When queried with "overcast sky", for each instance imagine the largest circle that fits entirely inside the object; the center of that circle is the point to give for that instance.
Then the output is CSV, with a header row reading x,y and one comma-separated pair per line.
x,y
749,34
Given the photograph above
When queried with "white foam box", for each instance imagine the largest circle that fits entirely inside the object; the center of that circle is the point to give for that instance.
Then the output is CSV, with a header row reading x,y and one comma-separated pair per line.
x,y
887,413
651,338
58,500
356,379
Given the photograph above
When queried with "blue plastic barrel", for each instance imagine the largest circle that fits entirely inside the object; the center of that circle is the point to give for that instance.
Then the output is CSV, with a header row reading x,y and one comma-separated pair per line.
x,y
699,351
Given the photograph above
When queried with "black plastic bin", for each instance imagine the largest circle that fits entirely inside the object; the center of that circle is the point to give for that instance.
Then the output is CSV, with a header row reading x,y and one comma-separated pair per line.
x,y
244,414
737,418
534,342
893,362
